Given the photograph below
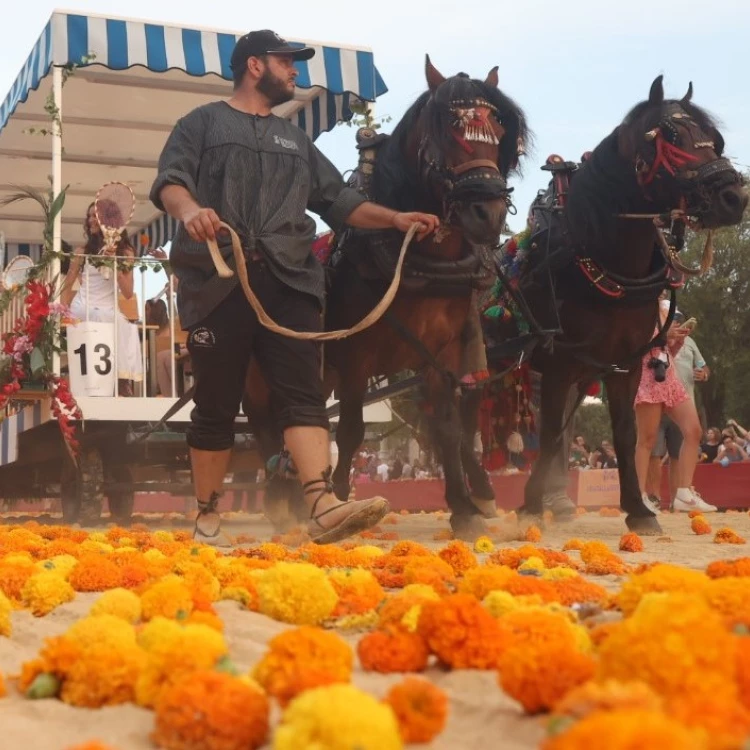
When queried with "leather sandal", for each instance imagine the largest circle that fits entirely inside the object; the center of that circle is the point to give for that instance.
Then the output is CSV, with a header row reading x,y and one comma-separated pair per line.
x,y
362,514
207,507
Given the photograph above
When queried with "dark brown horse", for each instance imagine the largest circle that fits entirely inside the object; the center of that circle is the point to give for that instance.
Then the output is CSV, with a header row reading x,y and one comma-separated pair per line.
x,y
595,272
450,155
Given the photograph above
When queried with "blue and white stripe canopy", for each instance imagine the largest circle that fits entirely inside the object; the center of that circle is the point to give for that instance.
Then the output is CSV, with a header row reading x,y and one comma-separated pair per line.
x,y
132,82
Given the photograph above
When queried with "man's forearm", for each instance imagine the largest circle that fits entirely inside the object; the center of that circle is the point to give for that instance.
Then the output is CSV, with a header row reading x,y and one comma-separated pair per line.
x,y
370,215
177,201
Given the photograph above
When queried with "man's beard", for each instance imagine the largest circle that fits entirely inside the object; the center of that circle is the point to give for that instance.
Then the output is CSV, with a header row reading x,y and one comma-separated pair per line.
x,y
274,89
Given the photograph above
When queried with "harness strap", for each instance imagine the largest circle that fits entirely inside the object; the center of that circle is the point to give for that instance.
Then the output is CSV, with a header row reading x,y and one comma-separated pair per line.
x,y
474,164
265,319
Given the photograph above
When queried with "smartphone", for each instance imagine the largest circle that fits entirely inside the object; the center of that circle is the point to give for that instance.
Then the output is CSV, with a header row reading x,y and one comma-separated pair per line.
x,y
690,324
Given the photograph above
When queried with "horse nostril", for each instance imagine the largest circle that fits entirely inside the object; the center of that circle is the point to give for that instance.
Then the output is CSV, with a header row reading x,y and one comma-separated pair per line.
x,y
480,211
734,200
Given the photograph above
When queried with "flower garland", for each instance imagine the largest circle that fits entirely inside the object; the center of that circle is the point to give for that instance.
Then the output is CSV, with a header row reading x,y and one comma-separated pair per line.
x,y
28,351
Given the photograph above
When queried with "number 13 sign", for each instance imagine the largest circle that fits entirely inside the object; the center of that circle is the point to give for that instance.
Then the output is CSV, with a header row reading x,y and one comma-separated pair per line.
x,y
91,359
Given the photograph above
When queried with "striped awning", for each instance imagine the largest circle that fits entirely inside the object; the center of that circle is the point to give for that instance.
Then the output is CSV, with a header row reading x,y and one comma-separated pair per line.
x,y
120,44
133,80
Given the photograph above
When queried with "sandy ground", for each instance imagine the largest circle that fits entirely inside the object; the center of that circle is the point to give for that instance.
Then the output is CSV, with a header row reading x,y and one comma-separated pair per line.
x,y
479,710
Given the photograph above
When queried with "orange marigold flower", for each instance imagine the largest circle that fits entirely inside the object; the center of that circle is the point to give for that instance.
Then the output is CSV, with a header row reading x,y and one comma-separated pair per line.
x,y
611,565
577,590
93,745
743,671
480,581
13,577
532,628
421,709
395,607
631,542
358,591
532,534
700,526
695,513
724,568
3,689
211,711
519,585
459,556
540,676
169,597
444,535
723,717
626,730
205,618
608,695
573,545
431,571
730,597
95,572
609,512
407,548
392,651
659,578
461,632
301,659
600,633
728,536
701,651
591,550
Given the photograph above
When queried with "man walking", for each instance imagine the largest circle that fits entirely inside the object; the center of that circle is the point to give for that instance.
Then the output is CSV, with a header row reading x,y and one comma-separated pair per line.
x,y
235,161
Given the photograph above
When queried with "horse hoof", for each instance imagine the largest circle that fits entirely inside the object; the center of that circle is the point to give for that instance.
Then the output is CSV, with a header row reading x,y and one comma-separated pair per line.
x,y
468,528
487,508
644,525
562,507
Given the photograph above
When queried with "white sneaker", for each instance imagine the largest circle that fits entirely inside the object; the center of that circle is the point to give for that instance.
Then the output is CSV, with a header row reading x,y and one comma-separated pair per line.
x,y
652,503
693,502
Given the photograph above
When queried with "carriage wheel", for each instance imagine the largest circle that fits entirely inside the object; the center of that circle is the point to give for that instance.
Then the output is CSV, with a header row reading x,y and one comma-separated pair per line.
x,y
71,503
81,489
121,503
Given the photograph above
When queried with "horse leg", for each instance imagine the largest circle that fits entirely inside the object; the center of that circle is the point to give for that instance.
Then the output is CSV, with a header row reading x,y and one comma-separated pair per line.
x,y
621,390
466,520
482,494
350,433
549,477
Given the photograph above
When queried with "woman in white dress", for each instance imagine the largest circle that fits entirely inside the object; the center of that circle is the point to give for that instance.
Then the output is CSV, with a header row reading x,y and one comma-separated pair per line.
x,y
95,299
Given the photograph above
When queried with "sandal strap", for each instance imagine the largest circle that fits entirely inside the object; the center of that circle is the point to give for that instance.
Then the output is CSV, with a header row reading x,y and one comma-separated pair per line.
x,y
210,505
322,486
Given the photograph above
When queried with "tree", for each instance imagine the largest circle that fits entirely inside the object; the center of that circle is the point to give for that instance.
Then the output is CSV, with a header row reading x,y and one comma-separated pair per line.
x,y
592,421
720,301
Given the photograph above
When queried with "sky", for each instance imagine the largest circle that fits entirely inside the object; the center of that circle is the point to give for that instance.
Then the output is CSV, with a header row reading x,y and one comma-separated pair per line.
x,y
575,67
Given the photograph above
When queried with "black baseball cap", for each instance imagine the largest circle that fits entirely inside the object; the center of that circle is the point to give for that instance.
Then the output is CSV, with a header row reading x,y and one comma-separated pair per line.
x,y
265,42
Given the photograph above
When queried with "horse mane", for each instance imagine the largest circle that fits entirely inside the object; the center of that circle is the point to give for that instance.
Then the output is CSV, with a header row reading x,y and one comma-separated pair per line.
x,y
606,185
394,182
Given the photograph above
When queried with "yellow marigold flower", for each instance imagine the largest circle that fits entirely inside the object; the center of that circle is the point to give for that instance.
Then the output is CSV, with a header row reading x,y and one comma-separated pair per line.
x,y
97,536
301,659
97,548
169,597
659,578
410,620
46,591
559,574
127,543
532,563
164,536
674,643
62,564
272,551
6,607
337,717
500,603
118,602
104,630
627,729
174,653
363,556
406,604
238,594
201,582
483,545
233,715
297,593
357,623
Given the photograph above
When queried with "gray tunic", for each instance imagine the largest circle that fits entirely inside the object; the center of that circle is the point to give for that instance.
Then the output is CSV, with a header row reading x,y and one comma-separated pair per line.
x,y
259,174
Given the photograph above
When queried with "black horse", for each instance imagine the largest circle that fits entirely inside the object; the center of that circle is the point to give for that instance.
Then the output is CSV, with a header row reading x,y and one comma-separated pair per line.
x,y
596,267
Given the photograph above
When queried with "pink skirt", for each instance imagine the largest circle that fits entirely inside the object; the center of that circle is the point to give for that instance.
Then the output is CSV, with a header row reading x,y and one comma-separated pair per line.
x,y
670,393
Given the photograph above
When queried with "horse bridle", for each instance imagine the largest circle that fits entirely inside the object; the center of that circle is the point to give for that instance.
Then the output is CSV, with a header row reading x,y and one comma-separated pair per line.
x,y
670,159
479,176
